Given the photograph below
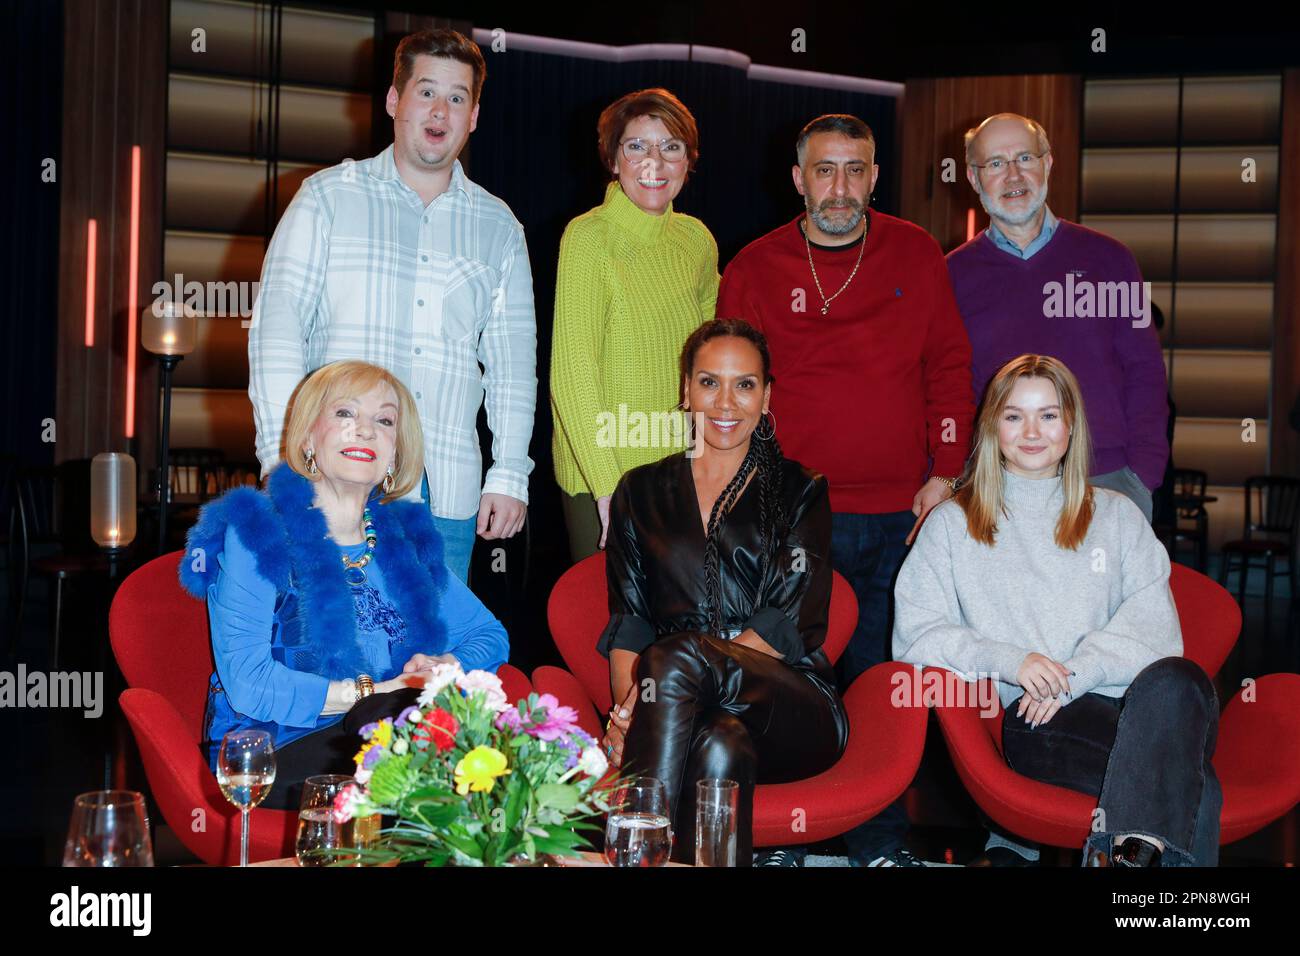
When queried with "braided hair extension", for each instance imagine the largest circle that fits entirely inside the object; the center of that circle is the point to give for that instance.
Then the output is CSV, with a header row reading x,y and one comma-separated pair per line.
x,y
763,460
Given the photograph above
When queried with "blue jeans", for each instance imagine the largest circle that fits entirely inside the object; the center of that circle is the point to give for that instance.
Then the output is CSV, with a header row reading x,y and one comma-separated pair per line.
x,y
1145,756
457,539
868,550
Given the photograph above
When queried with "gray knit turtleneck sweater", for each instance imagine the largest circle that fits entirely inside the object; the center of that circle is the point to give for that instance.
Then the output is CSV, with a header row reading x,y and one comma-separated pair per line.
x,y
1104,611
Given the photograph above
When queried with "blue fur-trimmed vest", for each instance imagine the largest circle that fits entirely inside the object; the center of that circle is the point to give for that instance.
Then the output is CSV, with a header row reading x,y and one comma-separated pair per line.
x,y
314,625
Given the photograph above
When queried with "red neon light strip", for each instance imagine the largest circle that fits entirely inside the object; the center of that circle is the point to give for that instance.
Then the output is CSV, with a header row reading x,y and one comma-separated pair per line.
x,y
970,224
92,229
133,292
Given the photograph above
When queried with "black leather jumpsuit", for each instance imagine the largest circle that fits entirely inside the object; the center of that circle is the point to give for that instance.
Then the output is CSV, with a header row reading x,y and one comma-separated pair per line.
x,y
713,708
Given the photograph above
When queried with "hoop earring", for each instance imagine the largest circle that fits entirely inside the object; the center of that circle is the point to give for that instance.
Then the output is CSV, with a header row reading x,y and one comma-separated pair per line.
x,y
310,455
388,481
769,420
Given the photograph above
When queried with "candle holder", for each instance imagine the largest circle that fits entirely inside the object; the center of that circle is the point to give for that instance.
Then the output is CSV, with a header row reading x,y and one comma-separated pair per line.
x,y
168,330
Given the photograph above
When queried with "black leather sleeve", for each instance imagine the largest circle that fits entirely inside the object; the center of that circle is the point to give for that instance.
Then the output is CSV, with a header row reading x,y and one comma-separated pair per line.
x,y
629,626
793,614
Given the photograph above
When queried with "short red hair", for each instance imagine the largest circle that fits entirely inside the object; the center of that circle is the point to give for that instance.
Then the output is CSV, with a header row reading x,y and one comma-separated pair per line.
x,y
656,102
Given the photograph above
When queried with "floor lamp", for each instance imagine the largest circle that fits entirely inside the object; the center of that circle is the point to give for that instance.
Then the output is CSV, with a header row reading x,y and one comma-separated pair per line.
x,y
168,330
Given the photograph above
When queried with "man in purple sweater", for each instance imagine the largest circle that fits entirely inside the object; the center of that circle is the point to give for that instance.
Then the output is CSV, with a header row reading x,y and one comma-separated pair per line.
x,y
1035,283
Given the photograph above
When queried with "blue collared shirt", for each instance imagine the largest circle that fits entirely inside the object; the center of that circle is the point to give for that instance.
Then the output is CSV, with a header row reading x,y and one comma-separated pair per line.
x,y
1043,237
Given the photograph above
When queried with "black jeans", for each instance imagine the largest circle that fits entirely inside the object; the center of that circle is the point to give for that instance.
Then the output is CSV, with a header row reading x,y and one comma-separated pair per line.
x,y
332,749
721,709
1145,756
868,550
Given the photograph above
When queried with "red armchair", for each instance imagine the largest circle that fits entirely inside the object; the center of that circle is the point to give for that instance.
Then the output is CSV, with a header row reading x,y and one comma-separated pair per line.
x,y
159,635
1257,756
885,742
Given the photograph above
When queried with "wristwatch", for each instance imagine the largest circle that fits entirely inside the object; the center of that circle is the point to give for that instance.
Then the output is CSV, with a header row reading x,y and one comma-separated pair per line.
x,y
950,482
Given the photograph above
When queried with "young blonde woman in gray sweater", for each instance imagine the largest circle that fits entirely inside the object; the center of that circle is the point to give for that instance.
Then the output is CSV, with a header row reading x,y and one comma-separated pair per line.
x,y
1059,592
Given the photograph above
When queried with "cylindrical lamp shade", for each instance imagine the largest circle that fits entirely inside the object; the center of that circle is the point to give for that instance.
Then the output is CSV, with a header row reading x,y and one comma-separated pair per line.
x,y
112,500
169,328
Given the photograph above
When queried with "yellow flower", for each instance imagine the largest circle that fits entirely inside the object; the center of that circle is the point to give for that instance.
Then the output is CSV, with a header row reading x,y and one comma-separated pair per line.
x,y
479,769
382,736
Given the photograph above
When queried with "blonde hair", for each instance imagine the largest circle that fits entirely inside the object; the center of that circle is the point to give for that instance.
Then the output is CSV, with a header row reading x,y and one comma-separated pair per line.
x,y
981,493
350,379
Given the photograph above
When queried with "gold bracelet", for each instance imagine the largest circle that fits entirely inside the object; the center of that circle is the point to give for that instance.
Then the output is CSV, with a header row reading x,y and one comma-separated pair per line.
x,y
950,482
365,686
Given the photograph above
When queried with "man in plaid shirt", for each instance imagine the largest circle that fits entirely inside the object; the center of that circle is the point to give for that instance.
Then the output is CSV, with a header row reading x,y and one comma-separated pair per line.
x,y
402,261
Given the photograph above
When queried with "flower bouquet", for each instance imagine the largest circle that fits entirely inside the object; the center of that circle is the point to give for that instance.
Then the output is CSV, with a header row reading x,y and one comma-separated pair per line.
x,y
475,781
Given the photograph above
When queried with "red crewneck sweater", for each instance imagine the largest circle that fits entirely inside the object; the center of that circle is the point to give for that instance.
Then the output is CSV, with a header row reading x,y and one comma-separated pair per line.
x,y
869,393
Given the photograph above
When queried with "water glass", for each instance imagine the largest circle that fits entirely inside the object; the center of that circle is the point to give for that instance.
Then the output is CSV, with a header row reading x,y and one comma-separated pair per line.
x,y
638,831
108,828
717,802
319,832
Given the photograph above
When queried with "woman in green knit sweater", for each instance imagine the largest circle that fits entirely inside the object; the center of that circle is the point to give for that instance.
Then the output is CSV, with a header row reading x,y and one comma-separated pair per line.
x,y
635,279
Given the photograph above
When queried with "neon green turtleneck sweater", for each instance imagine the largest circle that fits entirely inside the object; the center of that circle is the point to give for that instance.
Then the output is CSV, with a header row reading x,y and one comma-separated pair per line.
x,y
631,287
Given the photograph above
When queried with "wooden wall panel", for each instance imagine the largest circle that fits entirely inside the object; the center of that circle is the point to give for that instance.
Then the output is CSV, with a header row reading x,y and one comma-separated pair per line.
x,y
935,113
1284,439
114,97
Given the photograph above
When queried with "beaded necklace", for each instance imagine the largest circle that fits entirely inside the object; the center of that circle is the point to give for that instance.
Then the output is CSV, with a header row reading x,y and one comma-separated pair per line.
x,y
355,571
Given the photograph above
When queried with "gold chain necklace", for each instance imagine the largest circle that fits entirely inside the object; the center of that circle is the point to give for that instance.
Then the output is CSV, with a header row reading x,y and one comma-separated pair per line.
x,y
826,303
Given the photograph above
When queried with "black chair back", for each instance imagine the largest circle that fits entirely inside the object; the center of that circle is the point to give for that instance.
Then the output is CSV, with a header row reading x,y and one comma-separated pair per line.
x,y
1272,506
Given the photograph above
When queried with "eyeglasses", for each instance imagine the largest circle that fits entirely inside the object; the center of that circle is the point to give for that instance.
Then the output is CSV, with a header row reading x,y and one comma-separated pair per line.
x,y
1025,162
669,150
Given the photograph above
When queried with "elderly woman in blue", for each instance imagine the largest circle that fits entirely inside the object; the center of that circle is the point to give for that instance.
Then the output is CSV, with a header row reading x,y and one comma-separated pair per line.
x,y
328,599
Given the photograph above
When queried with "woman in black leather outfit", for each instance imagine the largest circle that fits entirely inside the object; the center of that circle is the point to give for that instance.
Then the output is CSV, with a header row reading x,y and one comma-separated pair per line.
x,y
719,590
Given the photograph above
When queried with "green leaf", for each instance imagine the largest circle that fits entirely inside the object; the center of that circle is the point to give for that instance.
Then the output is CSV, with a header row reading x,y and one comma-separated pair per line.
x,y
559,796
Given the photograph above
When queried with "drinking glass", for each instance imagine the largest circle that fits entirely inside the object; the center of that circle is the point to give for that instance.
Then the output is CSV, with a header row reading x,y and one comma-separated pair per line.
x,y
319,831
245,772
638,831
108,828
716,804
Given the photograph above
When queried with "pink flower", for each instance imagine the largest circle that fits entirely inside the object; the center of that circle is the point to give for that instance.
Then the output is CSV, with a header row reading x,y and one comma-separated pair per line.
x,y
489,685
345,803
558,722
437,679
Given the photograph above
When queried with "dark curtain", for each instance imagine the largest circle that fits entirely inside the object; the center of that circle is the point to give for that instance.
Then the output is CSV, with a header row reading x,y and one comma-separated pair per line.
x,y
535,148
33,80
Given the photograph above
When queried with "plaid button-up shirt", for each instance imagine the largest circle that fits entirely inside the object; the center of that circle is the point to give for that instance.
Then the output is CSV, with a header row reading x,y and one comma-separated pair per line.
x,y
360,268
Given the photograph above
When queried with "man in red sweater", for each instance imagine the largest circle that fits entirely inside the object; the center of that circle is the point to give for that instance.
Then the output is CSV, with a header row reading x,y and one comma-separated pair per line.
x,y
872,383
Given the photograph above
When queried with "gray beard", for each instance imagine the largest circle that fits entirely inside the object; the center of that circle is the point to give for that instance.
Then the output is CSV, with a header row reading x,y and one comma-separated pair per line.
x,y
830,227
997,214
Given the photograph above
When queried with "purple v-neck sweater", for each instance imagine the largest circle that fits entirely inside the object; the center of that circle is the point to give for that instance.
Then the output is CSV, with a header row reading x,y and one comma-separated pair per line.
x,y
1054,303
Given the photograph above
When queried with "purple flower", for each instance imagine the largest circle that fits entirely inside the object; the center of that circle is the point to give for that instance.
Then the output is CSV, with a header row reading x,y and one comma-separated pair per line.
x,y
372,757
401,718
368,729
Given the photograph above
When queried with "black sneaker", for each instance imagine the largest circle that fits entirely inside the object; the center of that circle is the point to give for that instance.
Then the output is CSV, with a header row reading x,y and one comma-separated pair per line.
x,y
778,858
900,857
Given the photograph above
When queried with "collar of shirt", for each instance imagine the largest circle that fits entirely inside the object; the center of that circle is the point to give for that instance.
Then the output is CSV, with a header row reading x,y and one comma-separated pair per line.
x,y
384,169
1043,237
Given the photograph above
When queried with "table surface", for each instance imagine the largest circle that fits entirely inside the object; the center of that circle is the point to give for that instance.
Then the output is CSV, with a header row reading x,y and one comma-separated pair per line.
x,y
584,859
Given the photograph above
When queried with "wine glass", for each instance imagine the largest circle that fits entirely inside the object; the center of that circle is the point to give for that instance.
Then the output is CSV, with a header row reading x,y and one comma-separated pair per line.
x,y
638,831
245,772
108,828
319,831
